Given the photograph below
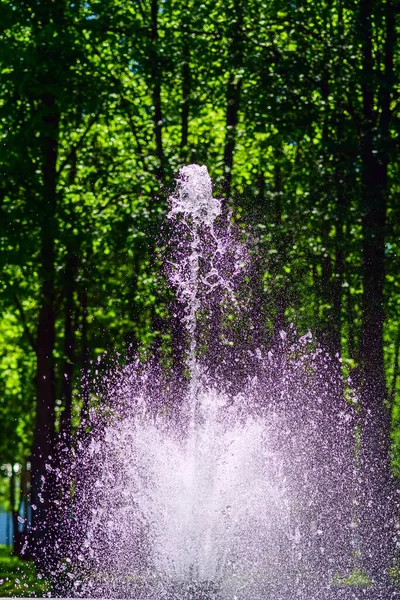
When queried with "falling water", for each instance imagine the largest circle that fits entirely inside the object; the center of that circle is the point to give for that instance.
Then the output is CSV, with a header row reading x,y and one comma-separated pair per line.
x,y
233,484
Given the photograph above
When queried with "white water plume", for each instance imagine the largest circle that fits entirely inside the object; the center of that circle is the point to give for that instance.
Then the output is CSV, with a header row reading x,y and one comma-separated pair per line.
x,y
208,505
233,484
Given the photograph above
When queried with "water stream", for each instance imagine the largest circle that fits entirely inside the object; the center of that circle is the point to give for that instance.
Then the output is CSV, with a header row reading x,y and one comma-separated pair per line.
x,y
233,484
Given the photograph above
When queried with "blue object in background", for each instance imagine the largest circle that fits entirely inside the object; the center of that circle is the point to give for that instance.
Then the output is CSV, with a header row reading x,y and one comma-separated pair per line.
x,y
5,528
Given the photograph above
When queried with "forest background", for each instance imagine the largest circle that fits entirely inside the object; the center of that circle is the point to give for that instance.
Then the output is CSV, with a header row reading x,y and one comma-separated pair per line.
x,y
294,108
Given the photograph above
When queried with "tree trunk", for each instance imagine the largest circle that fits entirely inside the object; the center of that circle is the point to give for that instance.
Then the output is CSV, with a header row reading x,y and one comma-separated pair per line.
x,y
375,460
281,297
83,300
186,89
43,441
17,534
232,111
337,292
65,433
67,372
156,91
233,94
377,501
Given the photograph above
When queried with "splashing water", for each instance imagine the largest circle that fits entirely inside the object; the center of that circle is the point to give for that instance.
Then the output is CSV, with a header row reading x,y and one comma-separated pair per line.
x,y
234,484
206,263
193,198
194,202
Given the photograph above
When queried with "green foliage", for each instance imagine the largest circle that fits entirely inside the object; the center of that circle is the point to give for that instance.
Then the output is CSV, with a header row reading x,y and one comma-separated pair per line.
x,y
16,398
18,578
357,578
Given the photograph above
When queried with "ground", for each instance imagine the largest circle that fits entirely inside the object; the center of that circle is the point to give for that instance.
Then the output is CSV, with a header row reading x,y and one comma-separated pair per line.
x,y
18,577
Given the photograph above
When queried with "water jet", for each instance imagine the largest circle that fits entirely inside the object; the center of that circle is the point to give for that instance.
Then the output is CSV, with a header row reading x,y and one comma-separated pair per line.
x,y
234,482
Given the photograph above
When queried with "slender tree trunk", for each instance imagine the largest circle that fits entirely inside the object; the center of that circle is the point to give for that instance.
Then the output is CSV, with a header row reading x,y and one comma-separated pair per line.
x,y
83,300
233,94
350,319
156,82
341,207
67,373
65,432
332,263
17,534
332,274
44,432
281,298
232,113
351,334
24,501
186,90
326,289
156,91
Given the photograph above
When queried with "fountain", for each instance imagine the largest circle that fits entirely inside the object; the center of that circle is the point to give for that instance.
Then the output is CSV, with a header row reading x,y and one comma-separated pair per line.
x,y
230,482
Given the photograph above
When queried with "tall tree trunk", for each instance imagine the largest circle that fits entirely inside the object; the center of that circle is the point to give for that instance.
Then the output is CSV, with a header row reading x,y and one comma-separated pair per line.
x,y
156,77
281,299
341,206
43,441
67,372
351,334
376,509
17,534
69,352
232,112
332,262
233,94
332,274
156,91
83,300
186,89
350,308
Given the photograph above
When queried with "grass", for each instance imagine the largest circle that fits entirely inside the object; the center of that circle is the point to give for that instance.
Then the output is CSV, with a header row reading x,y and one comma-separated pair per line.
x,y
18,578
394,573
357,578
